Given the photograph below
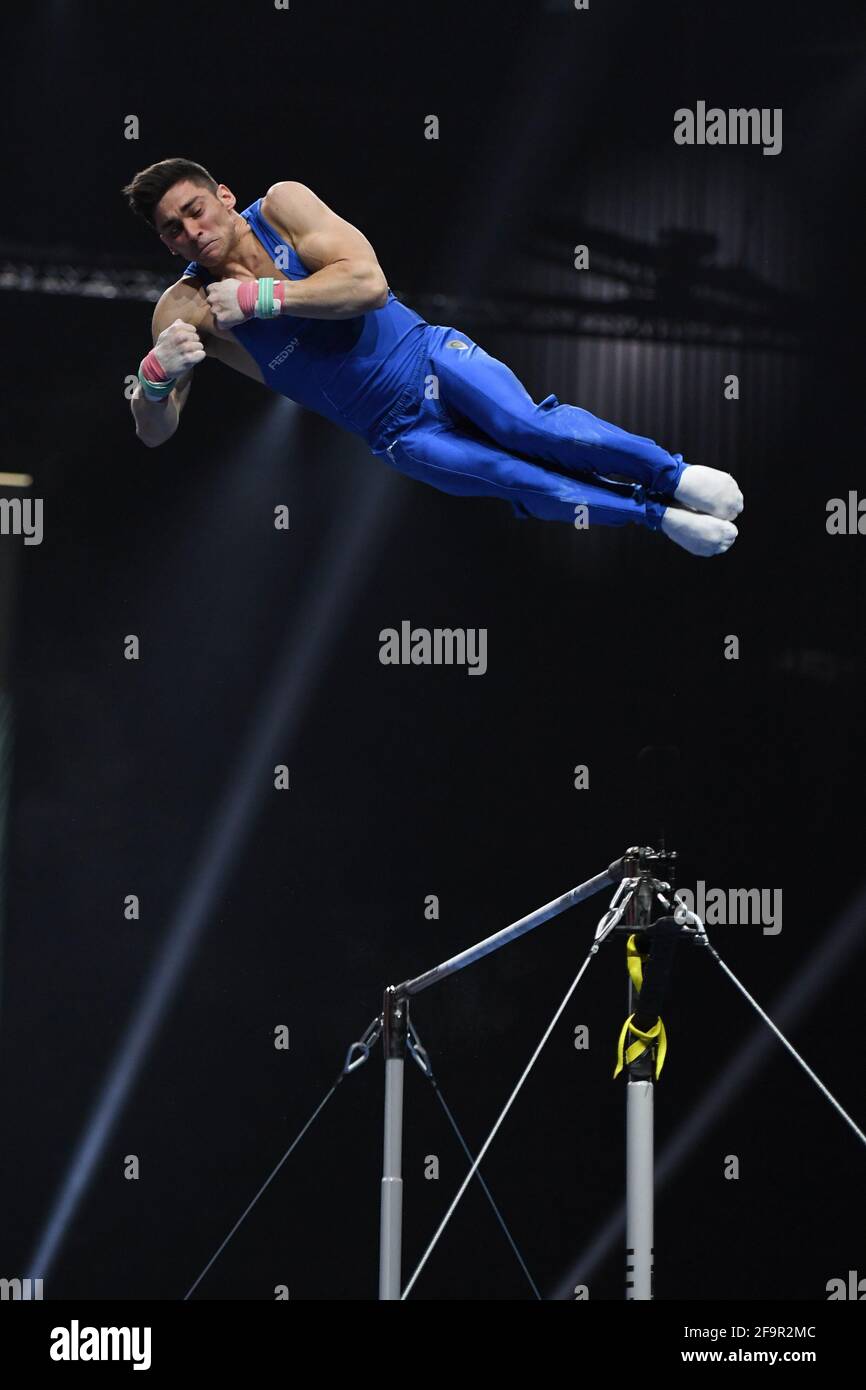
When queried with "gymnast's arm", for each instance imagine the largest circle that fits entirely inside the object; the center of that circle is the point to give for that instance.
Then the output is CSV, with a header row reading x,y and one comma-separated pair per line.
x,y
345,276
178,348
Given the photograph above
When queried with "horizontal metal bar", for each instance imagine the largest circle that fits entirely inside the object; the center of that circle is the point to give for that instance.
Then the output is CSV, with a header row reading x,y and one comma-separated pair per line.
x,y
501,938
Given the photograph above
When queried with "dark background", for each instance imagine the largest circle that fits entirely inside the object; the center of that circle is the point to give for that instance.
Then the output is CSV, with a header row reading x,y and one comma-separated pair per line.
x,y
555,129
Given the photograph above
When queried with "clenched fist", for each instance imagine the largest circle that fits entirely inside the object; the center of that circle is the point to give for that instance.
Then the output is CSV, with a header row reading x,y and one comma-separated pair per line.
x,y
178,348
222,298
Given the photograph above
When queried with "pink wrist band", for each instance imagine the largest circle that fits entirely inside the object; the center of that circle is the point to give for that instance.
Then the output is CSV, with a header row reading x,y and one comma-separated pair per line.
x,y
152,368
248,293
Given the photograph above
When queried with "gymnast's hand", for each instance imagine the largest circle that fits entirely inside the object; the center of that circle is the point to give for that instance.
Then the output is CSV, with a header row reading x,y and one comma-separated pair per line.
x,y
222,298
178,348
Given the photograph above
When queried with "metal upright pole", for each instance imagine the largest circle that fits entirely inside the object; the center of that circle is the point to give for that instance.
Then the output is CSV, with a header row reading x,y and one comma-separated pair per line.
x,y
640,1094
394,1035
639,1186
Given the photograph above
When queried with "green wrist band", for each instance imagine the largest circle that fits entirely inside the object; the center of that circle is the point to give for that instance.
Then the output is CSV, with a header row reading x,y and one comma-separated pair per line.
x,y
265,305
156,390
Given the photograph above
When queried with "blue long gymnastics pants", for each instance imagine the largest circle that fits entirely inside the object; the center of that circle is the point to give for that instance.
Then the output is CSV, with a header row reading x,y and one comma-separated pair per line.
x,y
478,433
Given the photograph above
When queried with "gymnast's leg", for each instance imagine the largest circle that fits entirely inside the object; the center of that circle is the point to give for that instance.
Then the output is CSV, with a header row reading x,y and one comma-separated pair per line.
x,y
464,462
487,392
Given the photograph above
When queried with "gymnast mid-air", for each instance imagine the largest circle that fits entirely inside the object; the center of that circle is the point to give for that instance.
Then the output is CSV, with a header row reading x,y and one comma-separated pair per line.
x,y
288,293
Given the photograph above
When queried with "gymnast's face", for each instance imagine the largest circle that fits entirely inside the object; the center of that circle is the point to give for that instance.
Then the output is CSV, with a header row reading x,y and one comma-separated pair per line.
x,y
196,224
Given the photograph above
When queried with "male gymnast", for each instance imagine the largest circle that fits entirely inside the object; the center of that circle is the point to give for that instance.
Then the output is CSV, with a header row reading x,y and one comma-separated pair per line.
x,y
288,293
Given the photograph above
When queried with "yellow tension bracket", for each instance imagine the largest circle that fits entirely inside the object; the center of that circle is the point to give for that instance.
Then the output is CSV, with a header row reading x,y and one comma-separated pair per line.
x,y
656,1035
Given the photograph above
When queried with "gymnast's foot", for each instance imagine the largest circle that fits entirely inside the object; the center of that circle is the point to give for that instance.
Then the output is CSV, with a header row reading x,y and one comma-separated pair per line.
x,y
699,534
710,491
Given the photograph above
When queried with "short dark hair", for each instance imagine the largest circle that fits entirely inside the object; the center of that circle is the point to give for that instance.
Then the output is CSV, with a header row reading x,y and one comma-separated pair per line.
x,y
152,183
